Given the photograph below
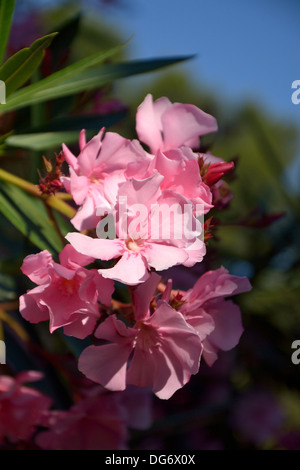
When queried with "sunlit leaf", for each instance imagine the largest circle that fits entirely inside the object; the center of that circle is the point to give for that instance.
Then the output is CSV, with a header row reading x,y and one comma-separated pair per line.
x,y
19,68
73,80
6,13
29,216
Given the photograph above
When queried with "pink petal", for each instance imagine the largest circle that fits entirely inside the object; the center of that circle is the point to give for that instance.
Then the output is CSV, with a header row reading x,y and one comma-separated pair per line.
x,y
142,368
82,327
117,153
88,155
184,123
95,247
105,288
168,290
106,365
148,122
36,267
85,218
143,295
111,187
162,257
82,139
171,162
210,352
228,324
180,351
79,187
30,310
201,321
70,158
66,182
115,330
131,269
70,258
64,272
196,252
141,191
215,284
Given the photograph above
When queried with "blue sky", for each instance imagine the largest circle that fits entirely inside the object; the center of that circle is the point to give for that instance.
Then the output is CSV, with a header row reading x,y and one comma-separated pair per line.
x,y
244,48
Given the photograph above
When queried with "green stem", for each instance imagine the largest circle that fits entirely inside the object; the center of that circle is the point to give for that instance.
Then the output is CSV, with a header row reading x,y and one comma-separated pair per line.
x,y
37,113
21,183
55,224
52,201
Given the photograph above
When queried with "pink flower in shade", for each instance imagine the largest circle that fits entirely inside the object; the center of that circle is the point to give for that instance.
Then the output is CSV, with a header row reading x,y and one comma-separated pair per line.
x,y
95,422
99,420
22,409
163,125
103,162
67,294
161,350
138,248
137,406
217,321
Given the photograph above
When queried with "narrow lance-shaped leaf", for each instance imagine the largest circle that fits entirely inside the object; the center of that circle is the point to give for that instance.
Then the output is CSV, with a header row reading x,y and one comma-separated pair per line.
x,y
67,33
6,14
87,80
29,216
22,97
41,141
20,67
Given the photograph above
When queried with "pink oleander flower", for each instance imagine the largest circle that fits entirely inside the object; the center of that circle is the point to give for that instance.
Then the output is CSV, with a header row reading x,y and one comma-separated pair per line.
x,y
67,294
96,422
181,173
22,408
148,240
161,350
99,420
217,321
163,125
105,161
171,131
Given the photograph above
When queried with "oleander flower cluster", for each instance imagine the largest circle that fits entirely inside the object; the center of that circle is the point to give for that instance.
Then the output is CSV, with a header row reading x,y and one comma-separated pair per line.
x,y
143,207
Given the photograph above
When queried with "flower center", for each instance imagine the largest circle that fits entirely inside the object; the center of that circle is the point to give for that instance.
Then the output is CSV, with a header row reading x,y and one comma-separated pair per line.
x,y
134,245
68,286
147,338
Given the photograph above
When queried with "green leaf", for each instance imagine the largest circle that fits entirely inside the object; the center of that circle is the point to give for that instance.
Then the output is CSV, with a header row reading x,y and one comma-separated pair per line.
x,y
87,121
67,33
24,97
6,14
5,136
97,77
51,88
29,216
42,140
20,67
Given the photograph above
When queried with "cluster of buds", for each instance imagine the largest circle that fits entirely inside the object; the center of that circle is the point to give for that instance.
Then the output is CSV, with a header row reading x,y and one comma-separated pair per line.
x,y
212,171
50,183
